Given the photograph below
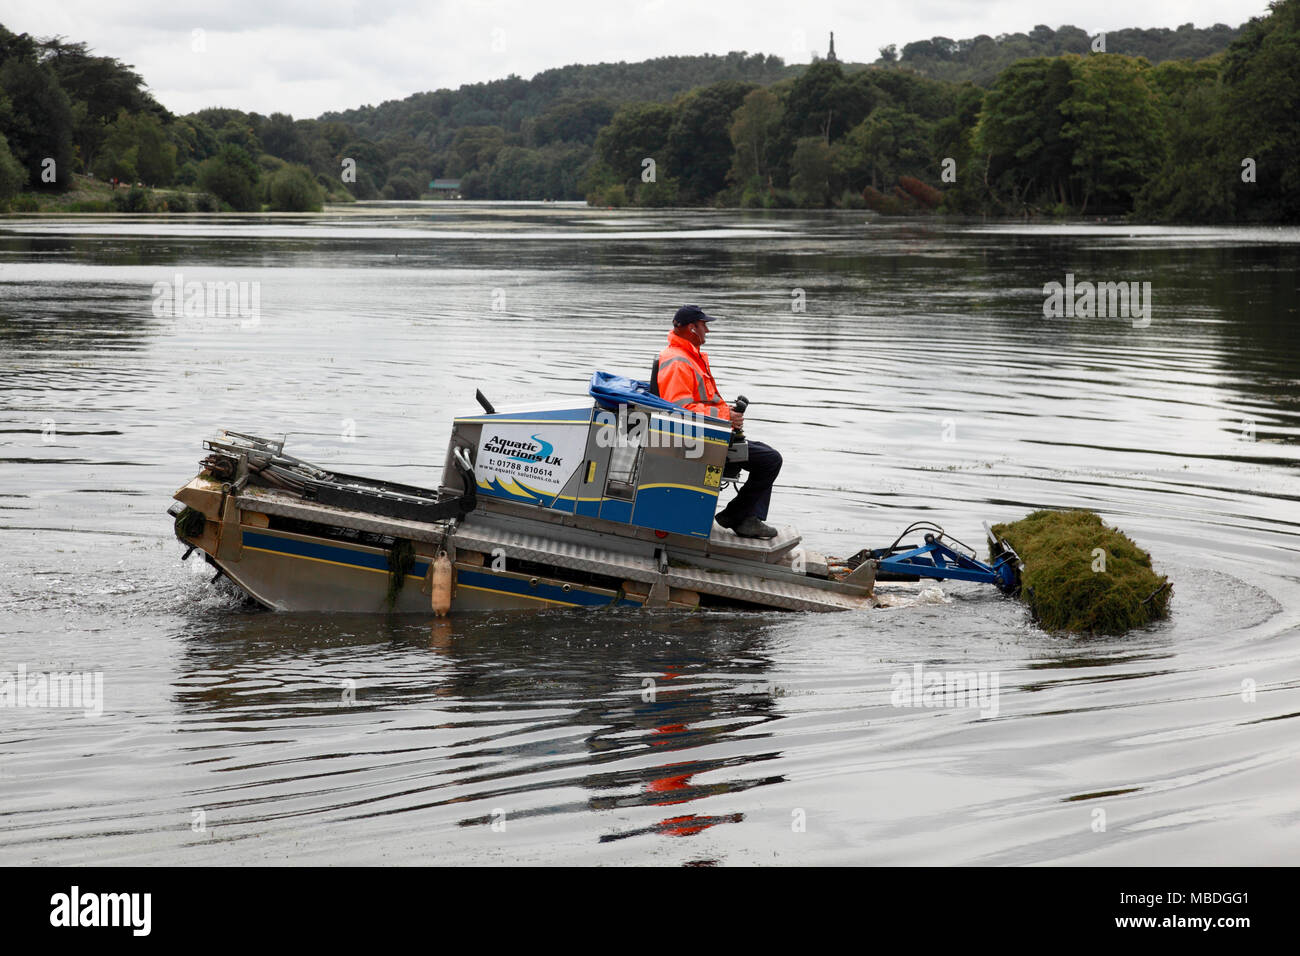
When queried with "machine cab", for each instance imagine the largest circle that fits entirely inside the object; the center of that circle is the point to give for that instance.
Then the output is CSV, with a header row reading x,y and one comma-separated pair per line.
x,y
630,457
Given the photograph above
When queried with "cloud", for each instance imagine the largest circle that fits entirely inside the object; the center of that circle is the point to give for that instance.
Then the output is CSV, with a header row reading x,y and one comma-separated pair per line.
x,y
306,57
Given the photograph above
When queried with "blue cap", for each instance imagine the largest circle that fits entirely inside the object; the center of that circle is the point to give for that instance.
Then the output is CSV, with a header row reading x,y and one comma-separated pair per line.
x,y
691,313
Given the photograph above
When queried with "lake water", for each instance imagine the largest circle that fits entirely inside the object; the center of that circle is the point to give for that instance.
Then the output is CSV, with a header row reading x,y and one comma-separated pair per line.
x,y
921,381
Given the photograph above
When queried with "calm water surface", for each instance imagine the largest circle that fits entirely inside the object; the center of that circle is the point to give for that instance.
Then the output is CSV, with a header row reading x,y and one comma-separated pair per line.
x,y
921,382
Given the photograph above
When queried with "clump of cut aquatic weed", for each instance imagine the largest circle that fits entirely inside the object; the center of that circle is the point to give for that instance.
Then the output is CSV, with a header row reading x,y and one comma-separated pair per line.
x,y
189,523
1082,576
401,559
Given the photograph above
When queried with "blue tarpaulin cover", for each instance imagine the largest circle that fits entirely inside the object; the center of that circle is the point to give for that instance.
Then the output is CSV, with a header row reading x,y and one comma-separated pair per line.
x,y
611,390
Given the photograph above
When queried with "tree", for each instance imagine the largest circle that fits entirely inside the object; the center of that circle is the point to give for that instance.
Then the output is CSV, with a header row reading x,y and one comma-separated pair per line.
x,y
954,139
1261,75
753,129
572,121
232,177
405,184
1195,181
137,147
637,132
884,146
12,175
810,171
39,128
476,147
1018,139
239,131
281,138
294,189
1114,129
699,139
99,88
811,107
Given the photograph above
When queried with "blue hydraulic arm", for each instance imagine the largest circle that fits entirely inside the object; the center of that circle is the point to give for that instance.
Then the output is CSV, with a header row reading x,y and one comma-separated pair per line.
x,y
937,560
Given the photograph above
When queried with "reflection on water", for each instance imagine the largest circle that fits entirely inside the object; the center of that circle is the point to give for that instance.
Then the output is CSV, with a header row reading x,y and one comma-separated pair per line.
x,y
921,382
621,710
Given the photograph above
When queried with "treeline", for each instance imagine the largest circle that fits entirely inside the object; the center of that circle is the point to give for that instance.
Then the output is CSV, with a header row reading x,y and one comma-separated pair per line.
x,y
507,139
66,113
1208,140
981,59
533,139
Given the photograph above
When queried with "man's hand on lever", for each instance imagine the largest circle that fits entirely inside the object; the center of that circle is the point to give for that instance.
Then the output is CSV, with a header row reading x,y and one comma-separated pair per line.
x,y
738,413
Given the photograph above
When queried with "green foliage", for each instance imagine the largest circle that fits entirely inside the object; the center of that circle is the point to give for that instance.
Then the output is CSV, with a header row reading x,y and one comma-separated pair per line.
x,y
665,191
1064,584
39,120
1194,182
91,205
405,185
699,145
889,143
281,138
1019,134
511,103
175,202
100,89
12,175
136,147
1114,130
135,199
294,189
1261,74
754,128
953,137
474,147
572,121
551,172
810,171
232,177
636,132
614,196
812,107
1061,130
982,59
240,131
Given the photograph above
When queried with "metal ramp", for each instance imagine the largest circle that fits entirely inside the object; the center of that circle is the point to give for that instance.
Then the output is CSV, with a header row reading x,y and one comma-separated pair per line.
x,y
644,569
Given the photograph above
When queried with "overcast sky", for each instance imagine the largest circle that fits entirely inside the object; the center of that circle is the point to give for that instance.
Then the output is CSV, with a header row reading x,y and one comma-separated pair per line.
x,y
308,56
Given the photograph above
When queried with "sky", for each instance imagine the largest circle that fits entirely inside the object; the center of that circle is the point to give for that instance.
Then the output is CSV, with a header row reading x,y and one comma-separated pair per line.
x,y
305,57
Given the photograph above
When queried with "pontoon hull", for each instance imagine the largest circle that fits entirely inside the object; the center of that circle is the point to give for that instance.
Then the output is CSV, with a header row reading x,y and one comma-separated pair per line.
x,y
292,554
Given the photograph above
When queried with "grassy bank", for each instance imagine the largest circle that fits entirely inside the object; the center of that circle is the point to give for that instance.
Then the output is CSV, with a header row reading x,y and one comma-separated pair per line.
x,y
88,194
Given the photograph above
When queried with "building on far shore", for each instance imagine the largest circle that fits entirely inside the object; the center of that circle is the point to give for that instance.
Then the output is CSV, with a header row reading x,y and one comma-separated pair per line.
x,y
446,188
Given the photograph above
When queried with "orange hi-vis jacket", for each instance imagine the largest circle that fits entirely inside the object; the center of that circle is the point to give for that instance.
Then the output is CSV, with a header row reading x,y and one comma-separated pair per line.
x,y
685,379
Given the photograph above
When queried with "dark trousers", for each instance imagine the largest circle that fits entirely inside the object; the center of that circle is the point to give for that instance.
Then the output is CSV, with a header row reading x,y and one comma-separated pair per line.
x,y
762,468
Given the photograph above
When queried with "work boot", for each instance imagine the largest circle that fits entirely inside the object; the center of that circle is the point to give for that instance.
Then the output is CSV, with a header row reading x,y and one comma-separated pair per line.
x,y
724,519
753,527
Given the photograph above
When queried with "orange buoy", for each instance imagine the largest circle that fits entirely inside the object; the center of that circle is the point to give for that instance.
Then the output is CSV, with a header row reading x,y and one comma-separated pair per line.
x,y
441,584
